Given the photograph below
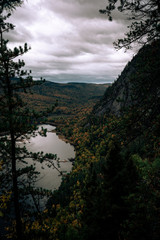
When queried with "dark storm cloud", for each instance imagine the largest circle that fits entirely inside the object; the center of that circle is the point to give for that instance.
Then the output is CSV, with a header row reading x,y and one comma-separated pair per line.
x,y
70,38
76,8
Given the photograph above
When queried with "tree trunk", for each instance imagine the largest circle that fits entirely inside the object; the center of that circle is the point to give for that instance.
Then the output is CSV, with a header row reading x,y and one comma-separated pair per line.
x,y
13,155
15,190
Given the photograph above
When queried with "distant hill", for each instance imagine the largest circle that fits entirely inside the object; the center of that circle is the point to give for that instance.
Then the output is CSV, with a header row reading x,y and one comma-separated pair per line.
x,y
69,96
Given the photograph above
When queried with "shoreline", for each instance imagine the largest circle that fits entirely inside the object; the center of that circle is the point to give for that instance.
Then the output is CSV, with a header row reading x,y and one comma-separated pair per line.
x,y
62,137
59,134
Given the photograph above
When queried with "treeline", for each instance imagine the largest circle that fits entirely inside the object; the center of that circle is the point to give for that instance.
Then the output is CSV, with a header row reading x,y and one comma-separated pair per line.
x,y
70,97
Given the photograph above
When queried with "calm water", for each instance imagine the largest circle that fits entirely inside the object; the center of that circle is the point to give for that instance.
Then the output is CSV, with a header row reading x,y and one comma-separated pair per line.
x,y
50,178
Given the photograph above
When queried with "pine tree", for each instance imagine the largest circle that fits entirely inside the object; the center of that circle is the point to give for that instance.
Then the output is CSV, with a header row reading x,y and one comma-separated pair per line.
x,y
15,118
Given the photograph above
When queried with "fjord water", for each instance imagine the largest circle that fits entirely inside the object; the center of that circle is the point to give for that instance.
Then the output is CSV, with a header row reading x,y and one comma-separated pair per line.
x,y
50,178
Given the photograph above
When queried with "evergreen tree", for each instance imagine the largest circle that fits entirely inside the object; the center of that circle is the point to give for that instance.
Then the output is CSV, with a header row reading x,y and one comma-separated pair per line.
x,y
107,186
15,118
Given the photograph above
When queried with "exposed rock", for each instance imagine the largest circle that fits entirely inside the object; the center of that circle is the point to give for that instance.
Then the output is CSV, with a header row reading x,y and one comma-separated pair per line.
x,y
139,81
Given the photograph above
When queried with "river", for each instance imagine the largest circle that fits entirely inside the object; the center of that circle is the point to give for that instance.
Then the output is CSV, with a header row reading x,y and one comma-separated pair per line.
x,y
50,178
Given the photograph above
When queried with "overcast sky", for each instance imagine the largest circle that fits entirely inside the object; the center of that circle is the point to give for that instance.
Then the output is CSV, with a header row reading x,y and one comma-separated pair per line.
x,y
70,40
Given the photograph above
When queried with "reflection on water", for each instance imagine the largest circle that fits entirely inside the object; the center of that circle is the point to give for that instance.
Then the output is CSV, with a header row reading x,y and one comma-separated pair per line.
x,y
49,178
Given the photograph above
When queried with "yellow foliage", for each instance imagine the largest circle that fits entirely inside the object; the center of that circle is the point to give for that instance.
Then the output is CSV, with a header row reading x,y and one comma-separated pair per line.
x,y
35,226
1,164
4,199
75,223
58,206
45,211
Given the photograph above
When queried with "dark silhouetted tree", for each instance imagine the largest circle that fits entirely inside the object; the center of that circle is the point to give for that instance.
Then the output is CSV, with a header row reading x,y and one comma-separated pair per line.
x,y
145,20
15,118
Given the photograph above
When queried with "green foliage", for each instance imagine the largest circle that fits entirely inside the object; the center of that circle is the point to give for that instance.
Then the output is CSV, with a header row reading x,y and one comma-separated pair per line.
x,y
143,221
106,186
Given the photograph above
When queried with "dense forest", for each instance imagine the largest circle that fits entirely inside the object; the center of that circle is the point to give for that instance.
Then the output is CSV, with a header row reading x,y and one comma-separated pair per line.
x,y
113,190
70,97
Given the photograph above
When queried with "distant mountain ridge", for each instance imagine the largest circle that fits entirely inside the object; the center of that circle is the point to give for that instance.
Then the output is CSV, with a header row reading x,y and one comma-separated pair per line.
x,y
80,92
69,96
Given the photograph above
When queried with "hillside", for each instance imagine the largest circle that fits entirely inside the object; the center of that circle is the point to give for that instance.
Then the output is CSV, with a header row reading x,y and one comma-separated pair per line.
x,y
70,96
138,84
113,190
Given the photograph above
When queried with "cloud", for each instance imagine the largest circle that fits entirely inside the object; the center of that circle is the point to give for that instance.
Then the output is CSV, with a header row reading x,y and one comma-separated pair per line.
x,y
70,40
76,8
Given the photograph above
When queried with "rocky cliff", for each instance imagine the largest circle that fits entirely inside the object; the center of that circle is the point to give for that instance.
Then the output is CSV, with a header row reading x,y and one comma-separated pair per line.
x,y
138,85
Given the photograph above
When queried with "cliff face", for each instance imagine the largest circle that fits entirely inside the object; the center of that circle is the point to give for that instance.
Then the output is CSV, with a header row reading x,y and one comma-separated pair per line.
x,y
138,84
